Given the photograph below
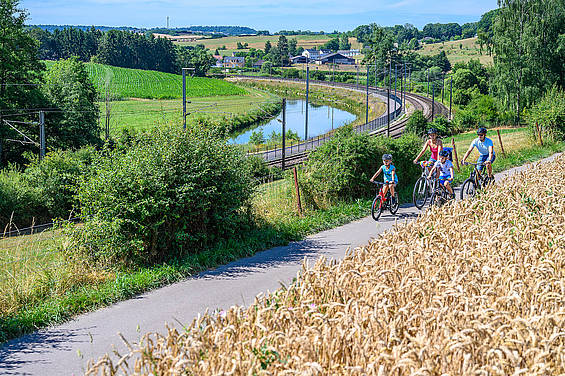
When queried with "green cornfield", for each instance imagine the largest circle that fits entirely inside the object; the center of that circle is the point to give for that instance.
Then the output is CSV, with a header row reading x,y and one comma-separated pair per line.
x,y
137,83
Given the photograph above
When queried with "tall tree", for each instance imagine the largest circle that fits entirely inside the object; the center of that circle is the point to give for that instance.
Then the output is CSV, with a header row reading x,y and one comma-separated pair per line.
x,y
282,46
344,42
69,89
268,46
528,60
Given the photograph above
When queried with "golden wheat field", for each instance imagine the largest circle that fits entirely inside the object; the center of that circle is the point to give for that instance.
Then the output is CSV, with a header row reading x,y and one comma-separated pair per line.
x,y
472,288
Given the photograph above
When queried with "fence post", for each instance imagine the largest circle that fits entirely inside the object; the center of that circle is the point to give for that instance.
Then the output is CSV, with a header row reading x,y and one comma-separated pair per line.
x,y
455,154
500,140
538,129
297,192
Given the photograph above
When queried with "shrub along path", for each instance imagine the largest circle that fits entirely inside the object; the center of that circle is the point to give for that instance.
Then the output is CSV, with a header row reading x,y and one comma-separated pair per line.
x,y
65,349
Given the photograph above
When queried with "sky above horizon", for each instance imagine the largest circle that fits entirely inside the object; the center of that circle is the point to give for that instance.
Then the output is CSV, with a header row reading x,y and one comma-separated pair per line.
x,y
314,15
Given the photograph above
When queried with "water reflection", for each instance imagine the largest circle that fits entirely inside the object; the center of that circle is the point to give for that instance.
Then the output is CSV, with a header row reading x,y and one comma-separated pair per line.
x,y
321,119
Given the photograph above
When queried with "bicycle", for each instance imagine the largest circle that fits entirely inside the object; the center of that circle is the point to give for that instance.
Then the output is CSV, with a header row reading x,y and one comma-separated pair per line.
x,y
382,202
440,194
422,187
475,181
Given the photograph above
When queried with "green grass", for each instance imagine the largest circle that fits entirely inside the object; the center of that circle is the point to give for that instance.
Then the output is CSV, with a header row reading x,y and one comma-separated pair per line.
x,y
137,83
140,114
47,288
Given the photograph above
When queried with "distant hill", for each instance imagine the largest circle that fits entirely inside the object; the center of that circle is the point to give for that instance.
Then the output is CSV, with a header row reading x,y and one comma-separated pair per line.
x,y
225,30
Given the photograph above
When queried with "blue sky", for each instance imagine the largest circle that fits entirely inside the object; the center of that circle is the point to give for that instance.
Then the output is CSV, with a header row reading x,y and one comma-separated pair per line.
x,y
315,15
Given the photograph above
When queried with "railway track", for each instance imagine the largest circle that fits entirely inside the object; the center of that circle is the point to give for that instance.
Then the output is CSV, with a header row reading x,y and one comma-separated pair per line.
x,y
395,130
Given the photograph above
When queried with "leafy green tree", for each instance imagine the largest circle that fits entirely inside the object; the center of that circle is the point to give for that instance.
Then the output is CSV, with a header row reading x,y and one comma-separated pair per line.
x,y
528,58
282,47
268,46
70,90
379,46
332,45
292,47
20,71
197,57
257,137
344,42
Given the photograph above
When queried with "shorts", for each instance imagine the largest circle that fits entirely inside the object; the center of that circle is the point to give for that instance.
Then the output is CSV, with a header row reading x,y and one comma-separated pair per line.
x,y
391,182
483,158
444,178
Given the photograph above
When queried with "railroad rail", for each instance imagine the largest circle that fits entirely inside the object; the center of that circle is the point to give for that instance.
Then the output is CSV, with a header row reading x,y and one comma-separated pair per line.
x,y
296,154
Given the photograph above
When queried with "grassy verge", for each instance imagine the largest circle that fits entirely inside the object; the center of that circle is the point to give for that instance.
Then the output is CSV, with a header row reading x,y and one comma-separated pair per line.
x,y
40,287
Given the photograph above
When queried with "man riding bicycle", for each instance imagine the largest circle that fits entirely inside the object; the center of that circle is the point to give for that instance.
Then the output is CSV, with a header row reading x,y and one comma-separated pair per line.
x,y
444,168
485,147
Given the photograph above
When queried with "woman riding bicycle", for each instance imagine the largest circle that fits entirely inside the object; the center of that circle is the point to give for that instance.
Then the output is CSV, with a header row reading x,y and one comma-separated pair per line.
x,y
444,169
389,175
436,146
485,146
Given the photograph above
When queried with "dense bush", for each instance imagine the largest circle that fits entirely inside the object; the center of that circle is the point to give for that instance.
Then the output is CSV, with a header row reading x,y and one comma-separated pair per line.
x,y
481,111
549,113
44,190
172,194
417,123
341,168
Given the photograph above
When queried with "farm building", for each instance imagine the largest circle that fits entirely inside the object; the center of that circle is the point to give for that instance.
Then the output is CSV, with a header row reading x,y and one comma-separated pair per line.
x,y
219,60
335,58
234,62
314,54
300,59
349,53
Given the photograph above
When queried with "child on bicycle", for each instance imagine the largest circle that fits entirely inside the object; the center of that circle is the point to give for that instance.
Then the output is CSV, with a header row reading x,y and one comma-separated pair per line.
x,y
389,175
444,168
485,146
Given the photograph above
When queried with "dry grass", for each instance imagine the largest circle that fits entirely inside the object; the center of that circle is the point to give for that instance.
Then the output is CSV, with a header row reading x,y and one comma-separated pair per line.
x,y
473,288
458,51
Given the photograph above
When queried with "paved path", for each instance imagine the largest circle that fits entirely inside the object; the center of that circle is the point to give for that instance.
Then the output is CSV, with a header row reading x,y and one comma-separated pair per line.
x,y
64,349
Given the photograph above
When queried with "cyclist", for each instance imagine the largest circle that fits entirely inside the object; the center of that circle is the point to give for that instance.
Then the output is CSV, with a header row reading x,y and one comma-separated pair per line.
x,y
435,144
485,148
389,175
444,168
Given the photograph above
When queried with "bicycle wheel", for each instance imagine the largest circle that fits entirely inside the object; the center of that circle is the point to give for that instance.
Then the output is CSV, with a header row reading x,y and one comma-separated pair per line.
x,y
468,189
394,208
420,194
376,208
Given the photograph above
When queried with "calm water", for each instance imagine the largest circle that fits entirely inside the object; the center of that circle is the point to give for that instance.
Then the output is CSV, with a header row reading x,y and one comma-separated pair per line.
x,y
321,119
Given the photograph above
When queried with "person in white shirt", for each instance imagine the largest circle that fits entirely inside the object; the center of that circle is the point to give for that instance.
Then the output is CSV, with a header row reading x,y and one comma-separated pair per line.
x,y
444,168
485,147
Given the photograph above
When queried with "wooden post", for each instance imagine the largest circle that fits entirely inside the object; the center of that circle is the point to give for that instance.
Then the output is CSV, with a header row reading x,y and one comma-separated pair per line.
x,y
500,140
297,192
538,129
455,154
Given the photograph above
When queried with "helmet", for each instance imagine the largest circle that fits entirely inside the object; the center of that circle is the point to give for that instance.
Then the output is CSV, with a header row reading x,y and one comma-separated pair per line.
x,y
387,157
482,130
432,131
444,153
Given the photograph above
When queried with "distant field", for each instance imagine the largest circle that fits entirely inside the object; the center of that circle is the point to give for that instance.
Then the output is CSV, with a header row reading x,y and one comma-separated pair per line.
x,y
458,51
137,83
258,41
141,114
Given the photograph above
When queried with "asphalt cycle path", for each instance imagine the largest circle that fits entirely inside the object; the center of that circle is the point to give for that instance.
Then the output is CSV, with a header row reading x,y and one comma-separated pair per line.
x,y
65,349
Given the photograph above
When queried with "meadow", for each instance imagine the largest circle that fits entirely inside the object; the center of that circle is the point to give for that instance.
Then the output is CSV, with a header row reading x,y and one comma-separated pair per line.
x,y
137,83
458,51
41,286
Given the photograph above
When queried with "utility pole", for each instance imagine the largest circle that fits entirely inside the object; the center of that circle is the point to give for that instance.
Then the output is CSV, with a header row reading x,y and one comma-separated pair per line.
x,y
395,79
442,86
388,99
184,114
433,94
167,22
450,95
41,135
367,100
307,92
428,80
283,133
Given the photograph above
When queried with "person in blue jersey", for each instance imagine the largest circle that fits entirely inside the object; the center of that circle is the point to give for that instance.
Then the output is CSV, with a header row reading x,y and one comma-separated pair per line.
x,y
389,175
485,147
444,168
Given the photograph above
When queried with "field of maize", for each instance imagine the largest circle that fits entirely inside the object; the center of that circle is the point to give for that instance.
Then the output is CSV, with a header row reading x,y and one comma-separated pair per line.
x,y
476,287
138,83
